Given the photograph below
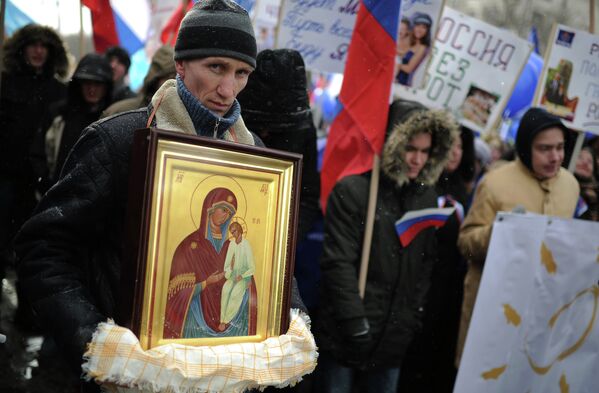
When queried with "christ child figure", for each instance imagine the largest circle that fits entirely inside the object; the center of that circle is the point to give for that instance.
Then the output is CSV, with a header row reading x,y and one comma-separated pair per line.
x,y
239,269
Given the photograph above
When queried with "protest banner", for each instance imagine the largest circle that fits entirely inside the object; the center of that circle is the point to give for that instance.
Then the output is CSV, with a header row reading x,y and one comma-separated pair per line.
x,y
472,72
265,16
569,84
419,20
321,29
534,325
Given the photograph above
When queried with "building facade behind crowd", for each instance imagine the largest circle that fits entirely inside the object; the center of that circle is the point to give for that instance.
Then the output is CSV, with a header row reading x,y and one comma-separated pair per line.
x,y
537,183
81,247
372,334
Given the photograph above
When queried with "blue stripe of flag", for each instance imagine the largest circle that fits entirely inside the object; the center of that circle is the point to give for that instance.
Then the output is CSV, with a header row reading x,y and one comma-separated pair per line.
x,y
127,38
386,12
14,18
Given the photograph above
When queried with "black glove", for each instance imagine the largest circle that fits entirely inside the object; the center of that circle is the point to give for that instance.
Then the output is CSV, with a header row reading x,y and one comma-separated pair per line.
x,y
357,342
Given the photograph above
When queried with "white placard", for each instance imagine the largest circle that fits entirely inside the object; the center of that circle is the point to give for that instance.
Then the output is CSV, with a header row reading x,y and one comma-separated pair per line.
x,y
473,70
569,84
319,29
534,327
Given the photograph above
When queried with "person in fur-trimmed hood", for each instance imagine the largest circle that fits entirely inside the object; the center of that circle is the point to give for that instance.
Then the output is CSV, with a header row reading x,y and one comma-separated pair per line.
x,y
70,250
372,334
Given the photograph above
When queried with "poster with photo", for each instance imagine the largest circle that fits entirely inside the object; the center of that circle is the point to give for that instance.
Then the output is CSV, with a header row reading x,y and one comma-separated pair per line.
x,y
417,26
265,16
473,70
569,84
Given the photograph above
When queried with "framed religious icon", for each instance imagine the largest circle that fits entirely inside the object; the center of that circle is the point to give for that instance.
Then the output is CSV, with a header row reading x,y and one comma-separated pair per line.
x,y
212,235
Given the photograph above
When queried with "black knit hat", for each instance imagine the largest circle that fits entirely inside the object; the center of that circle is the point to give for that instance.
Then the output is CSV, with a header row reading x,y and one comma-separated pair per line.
x,y
121,55
216,28
533,122
93,67
276,95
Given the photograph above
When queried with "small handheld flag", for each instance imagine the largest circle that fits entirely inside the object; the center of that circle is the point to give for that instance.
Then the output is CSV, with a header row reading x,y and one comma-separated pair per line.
x,y
448,201
413,222
581,207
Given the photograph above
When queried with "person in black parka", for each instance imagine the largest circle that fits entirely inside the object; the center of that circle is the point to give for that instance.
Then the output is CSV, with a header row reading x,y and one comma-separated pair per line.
x,y
34,61
372,334
89,93
70,252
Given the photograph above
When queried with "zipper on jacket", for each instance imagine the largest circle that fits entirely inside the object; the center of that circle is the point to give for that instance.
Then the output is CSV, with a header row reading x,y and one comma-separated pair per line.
x,y
216,127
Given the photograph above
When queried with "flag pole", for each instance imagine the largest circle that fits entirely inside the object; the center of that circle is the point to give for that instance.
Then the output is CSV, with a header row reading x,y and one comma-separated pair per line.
x,y
2,11
592,16
81,33
370,212
580,137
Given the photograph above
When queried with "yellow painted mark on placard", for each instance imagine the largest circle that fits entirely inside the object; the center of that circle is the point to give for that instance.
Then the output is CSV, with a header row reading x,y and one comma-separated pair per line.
x,y
563,385
494,373
511,315
547,259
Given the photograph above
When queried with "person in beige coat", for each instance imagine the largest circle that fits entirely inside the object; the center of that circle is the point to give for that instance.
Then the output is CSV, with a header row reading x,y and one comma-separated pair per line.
x,y
535,182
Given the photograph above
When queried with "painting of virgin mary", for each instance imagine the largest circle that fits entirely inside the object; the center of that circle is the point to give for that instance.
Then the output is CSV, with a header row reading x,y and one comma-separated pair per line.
x,y
197,277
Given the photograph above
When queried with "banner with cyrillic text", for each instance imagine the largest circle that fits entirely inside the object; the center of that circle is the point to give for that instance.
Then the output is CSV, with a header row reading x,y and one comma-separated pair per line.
x,y
472,72
321,31
535,327
569,84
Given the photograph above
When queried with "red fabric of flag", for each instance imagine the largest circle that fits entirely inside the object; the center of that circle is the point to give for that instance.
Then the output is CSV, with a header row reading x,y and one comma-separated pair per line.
x,y
104,28
358,131
171,28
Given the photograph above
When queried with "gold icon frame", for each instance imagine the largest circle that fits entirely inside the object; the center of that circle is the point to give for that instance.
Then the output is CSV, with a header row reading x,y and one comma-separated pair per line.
x,y
171,175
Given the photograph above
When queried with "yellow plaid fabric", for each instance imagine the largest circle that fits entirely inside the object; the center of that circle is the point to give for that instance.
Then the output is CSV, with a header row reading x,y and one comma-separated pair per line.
x,y
115,358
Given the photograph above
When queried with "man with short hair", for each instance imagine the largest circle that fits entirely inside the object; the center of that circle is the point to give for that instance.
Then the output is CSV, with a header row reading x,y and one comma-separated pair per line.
x,y
372,334
70,249
535,182
119,62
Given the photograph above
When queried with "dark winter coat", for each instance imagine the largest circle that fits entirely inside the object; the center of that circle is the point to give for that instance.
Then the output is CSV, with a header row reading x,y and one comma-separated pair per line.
x,y
275,105
24,98
70,250
398,277
26,95
67,119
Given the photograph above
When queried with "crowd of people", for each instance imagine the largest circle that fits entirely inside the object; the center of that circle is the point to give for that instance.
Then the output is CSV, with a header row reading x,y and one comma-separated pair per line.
x,y
63,194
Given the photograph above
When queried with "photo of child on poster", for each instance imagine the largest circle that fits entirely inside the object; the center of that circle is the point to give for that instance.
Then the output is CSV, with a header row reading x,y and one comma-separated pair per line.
x,y
478,105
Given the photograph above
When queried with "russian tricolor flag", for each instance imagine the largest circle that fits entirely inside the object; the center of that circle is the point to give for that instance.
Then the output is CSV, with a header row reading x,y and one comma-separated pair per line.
x,y
119,22
581,207
358,131
413,222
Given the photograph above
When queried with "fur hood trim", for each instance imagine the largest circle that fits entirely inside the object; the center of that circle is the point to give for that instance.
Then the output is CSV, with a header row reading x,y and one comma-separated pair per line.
x,y
14,50
172,115
443,129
